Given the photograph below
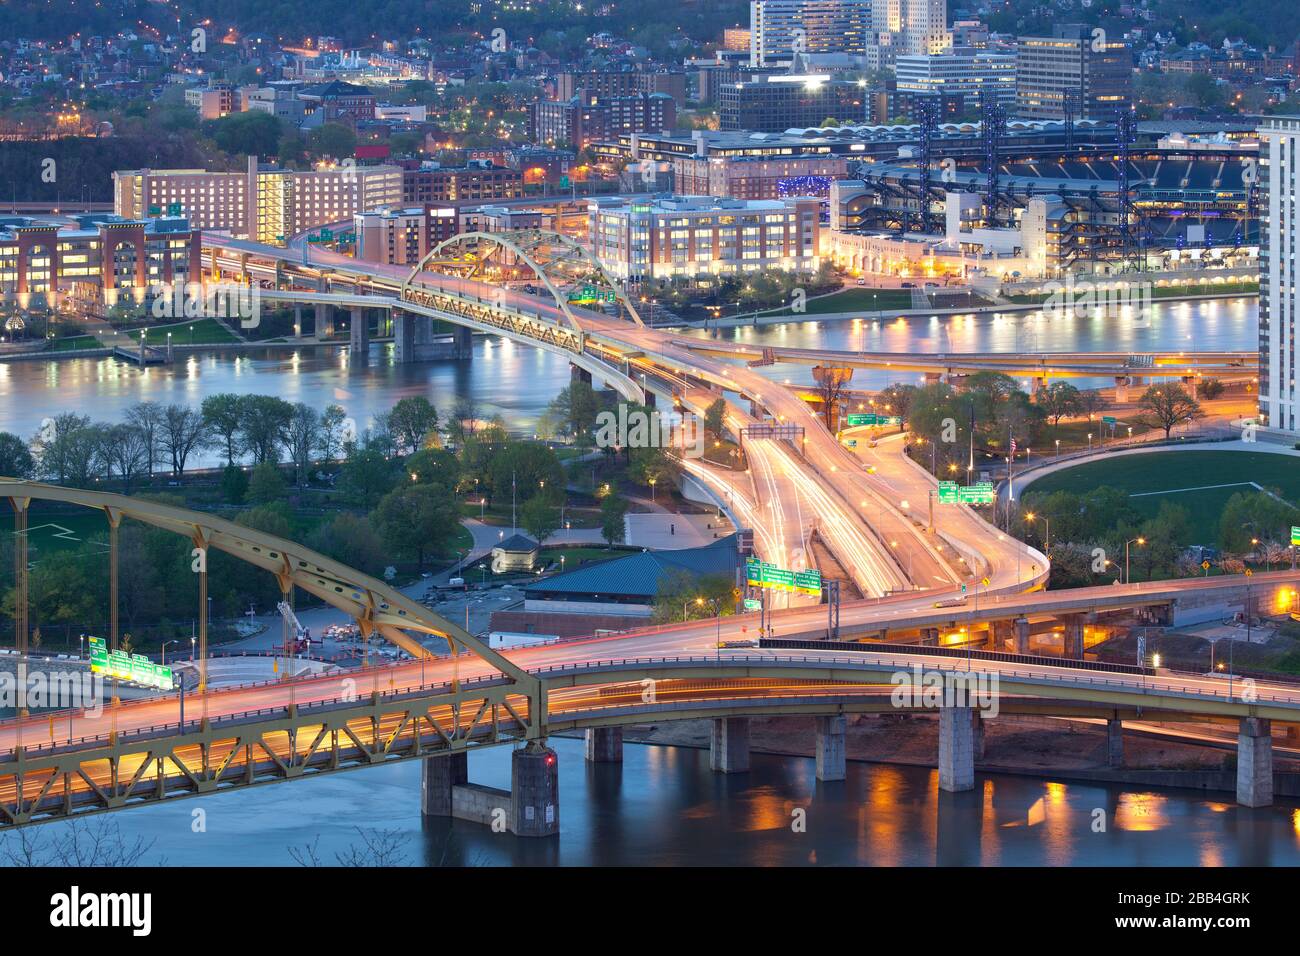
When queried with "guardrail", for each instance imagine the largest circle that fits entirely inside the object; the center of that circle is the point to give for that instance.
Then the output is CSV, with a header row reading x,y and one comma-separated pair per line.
x,y
966,653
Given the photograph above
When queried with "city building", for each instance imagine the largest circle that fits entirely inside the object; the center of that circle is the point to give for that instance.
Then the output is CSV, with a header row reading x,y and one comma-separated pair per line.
x,y
784,101
902,27
337,101
265,203
477,180
1278,254
965,72
108,254
698,237
780,28
214,100
756,177
736,39
402,236
580,121
1076,63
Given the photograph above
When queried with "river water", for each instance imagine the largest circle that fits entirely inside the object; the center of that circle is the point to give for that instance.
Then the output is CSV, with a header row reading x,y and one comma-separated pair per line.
x,y
663,806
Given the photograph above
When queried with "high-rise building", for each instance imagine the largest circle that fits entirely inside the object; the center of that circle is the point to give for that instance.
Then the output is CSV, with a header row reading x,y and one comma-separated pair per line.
x,y
582,120
903,27
780,28
1279,153
1076,61
964,71
777,103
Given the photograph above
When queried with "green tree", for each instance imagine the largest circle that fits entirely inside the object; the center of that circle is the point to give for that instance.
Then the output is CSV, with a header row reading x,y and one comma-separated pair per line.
x,y
267,484
416,519
1059,400
1167,405
540,518
224,414
410,421
367,476
715,417
234,484
16,460
613,510
252,133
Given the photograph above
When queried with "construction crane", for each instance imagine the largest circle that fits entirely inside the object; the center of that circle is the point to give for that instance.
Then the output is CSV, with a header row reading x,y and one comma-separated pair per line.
x,y
300,640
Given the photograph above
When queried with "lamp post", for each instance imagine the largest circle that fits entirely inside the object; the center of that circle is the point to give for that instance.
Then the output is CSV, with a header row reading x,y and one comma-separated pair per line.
x,y
1047,540
1128,579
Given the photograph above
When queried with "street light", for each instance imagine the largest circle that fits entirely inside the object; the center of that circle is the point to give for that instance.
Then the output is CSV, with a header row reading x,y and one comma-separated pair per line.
x,y
1047,541
1140,541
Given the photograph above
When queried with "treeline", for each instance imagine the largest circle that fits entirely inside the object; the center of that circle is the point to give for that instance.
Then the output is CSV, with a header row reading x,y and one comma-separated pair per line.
x,y
83,168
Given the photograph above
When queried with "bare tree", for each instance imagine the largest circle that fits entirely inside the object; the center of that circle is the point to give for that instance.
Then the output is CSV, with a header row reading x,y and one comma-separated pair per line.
x,y
303,436
184,432
333,425
79,844
125,450
1167,405
148,417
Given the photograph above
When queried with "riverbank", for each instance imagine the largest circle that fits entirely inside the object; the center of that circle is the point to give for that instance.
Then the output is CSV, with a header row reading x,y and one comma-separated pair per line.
x,y
1030,746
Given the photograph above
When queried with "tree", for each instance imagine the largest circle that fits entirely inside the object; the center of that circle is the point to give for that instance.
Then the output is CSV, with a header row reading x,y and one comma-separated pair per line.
x,y
148,417
267,484
434,466
252,133
1059,400
367,476
416,519
528,467
62,447
613,510
332,139
1255,516
540,518
1091,402
234,484
304,436
684,596
265,426
16,460
333,432
1167,405
126,452
350,539
715,417
184,431
224,415
410,421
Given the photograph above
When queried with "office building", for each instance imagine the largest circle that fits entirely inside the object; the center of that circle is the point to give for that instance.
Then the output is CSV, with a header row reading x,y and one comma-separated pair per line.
x,y
780,28
1278,253
906,27
964,72
776,103
1076,62
580,121
475,181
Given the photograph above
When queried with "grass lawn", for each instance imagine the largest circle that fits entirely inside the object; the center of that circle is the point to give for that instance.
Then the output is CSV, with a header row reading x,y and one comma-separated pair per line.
x,y
48,532
206,332
854,300
1163,476
73,342
1161,292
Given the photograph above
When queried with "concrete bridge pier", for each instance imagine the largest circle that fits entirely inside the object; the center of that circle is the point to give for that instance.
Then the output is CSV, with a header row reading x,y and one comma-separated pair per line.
x,y
930,636
579,374
1000,633
1189,383
535,791
359,335
1255,762
956,749
464,342
1022,635
1073,637
1121,389
403,336
324,320
977,734
729,745
297,320
604,745
442,774
830,748
1114,742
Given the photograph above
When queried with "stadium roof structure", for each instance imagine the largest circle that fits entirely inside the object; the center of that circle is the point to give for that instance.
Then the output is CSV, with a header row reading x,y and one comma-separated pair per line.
x,y
636,578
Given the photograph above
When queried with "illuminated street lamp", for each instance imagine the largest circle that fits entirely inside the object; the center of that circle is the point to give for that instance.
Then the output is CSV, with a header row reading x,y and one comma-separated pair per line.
x,y
1140,542
1047,541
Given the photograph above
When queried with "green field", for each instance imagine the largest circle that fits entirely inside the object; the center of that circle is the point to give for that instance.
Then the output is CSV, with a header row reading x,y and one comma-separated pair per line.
x,y
49,532
854,300
74,342
1185,478
206,332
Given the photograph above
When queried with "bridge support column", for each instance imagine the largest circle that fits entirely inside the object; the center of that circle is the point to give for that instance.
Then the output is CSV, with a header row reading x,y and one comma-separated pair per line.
x,y
535,791
930,636
297,320
324,320
1255,762
1073,637
956,749
441,775
359,334
1022,635
464,342
1114,742
729,745
1121,389
1189,383
830,748
977,734
403,336
604,745
579,374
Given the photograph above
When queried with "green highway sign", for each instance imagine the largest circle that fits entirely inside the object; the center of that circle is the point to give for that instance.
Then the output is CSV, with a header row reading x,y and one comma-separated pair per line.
x,y
753,605
589,293
761,574
133,667
1295,535
1109,419
951,493
871,418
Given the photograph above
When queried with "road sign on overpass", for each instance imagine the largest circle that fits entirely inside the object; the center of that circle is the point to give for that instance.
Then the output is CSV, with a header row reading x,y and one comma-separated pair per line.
x,y
762,574
951,493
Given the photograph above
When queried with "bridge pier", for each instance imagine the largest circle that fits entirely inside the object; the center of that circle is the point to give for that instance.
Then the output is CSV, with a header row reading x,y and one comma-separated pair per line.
x,y
464,342
359,335
1022,635
535,791
1114,742
324,320
1255,762
604,745
956,749
977,734
1072,640
403,336
1189,383
1121,389
930,636
579,374
830,748
729,745
297,320
441,776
